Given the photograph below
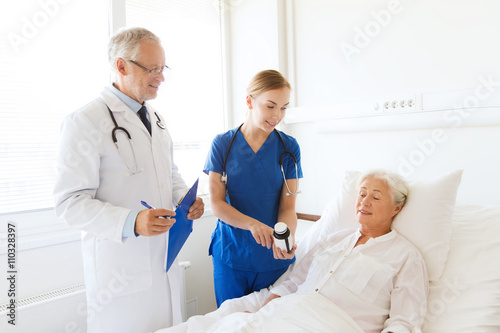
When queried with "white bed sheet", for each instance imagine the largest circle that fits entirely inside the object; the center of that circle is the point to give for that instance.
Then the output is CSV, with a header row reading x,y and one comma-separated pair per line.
x,y
306,312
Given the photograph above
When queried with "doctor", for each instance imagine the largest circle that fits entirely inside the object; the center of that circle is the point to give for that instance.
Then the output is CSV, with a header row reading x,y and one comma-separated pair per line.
x,y
254,172
115,152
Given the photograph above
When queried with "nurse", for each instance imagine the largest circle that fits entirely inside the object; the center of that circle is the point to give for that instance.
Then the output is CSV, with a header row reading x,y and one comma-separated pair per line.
x,y
250,192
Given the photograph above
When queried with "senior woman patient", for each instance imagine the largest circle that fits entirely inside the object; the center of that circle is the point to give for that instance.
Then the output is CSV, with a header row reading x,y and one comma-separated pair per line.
x,y
374,274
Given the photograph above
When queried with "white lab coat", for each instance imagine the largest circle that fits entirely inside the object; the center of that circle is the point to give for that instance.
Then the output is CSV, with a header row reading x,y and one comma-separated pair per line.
x,y
127,287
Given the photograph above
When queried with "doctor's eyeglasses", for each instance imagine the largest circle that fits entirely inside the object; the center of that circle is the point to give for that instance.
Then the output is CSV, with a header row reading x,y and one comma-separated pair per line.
x,y
152,72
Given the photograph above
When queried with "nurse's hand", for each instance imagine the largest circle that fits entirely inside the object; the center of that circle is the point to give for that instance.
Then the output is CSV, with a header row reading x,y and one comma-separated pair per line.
x,y
150,222
262,233
282,254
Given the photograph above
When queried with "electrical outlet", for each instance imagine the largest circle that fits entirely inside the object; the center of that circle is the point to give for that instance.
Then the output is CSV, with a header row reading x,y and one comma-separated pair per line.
x,y
403,105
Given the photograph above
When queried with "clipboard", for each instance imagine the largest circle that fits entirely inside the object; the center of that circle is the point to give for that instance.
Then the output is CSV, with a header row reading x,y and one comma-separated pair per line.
x,y
182,227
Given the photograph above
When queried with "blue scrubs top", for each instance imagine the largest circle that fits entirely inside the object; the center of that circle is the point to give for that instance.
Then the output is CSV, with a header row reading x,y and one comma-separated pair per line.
x,y
253,188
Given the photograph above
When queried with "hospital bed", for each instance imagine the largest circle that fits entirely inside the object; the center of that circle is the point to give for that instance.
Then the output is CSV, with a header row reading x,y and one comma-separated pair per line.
x,y
460,244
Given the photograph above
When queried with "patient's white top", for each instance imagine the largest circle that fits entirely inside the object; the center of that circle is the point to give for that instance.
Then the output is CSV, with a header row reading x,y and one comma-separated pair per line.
x,y
382,284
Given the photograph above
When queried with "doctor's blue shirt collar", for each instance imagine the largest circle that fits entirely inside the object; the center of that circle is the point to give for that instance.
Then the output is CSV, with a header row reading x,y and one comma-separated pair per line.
x,y
129,101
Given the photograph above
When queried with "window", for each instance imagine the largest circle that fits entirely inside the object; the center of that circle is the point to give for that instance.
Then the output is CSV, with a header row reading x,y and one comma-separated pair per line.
x,y
52,61
191,98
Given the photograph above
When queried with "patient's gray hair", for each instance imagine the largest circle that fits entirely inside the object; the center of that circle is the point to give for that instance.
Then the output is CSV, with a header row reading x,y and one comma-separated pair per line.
x,y
125,44
398,185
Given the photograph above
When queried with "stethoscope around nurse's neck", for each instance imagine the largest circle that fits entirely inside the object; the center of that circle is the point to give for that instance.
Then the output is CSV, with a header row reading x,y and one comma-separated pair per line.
x,y
223,178
117,128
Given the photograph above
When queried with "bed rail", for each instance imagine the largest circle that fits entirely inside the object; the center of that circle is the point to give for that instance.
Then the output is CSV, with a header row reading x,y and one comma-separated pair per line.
x,y
308,217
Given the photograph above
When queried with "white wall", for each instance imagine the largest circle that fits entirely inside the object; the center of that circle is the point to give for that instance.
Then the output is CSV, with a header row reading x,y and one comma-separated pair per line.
x,y
48,259
199,277
46,269
48,253
252,46
425,46
358,53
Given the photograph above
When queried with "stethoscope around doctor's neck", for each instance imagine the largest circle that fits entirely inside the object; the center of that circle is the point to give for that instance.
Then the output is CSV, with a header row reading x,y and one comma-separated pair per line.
x,y
131,143
223,178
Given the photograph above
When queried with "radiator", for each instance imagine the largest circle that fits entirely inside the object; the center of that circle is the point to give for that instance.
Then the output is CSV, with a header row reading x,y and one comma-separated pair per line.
x,y
54,312
64,310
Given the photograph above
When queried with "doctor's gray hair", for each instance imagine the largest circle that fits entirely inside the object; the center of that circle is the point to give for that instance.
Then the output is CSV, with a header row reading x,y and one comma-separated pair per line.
x,y
397,184
126,42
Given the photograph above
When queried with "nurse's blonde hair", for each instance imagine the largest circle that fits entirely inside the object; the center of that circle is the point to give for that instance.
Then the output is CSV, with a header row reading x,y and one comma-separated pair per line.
x,y
125,44
267,80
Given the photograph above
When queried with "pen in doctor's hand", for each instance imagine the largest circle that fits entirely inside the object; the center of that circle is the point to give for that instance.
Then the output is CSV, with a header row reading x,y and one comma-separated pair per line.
x,y
145,204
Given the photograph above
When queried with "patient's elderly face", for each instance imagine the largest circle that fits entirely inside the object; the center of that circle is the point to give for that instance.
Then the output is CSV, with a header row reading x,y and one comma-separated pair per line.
x,y
375,206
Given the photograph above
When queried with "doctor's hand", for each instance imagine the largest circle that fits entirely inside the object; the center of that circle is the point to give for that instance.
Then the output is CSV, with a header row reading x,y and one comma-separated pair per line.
x,y
150,222
262,233
196,210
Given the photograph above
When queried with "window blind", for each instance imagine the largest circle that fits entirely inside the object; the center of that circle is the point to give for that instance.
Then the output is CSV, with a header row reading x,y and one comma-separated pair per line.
x,y
191,98
52,61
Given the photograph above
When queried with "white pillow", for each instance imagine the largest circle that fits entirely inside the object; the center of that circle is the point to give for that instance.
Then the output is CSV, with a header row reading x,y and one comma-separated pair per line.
x,y
425,220
467,297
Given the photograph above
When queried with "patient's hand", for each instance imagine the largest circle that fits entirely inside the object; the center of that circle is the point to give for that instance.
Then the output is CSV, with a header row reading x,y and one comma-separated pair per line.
x,y
269,299
282,254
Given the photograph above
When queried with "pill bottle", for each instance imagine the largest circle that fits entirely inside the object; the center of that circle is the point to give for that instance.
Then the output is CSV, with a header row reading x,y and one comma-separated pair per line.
x,y
283,237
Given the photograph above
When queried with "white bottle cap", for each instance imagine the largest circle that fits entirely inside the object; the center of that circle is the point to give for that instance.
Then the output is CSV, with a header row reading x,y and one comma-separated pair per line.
x,y
280,228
